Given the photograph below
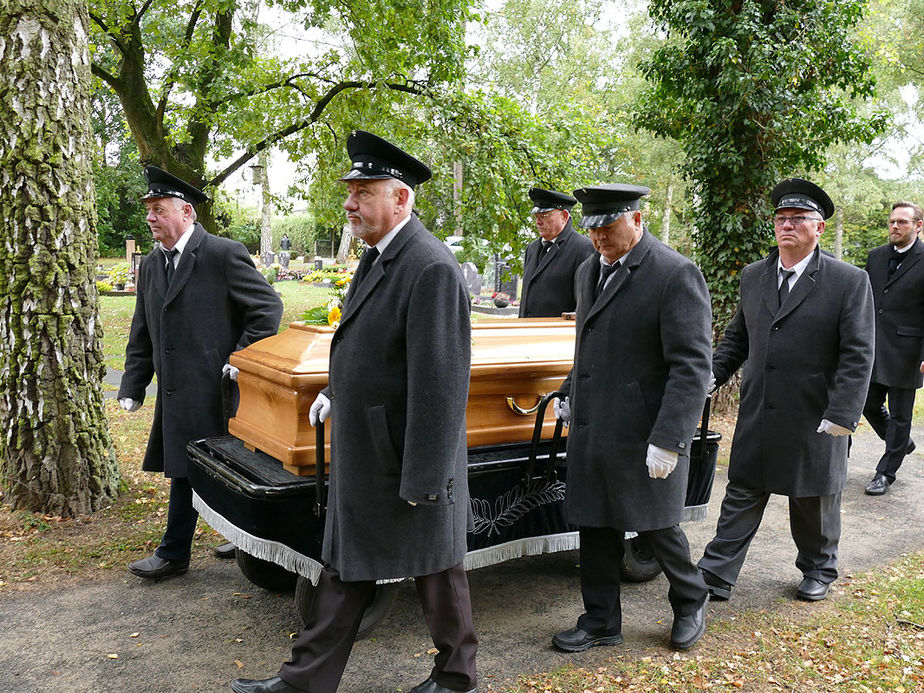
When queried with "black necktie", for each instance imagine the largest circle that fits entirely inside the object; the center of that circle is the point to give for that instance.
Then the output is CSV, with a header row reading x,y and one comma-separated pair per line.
x,y
546,245
605,272
169,268
895,259
365,263
784,285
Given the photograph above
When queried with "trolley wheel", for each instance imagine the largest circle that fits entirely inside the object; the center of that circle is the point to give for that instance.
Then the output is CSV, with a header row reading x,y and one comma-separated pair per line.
x,y
638,563
382,603
265,574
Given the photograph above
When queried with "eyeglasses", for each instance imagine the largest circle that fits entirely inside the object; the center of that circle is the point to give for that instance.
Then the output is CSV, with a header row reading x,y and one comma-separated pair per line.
x,y
900,222
797,220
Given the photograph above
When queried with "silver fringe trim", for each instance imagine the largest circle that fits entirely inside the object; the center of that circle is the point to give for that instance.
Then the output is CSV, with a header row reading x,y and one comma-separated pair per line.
x,y
529,546
695,513
267,550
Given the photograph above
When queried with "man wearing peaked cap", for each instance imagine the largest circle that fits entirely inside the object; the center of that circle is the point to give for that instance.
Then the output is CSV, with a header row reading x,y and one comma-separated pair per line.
x,y
803,333
198,299
635,394
398,505
552,259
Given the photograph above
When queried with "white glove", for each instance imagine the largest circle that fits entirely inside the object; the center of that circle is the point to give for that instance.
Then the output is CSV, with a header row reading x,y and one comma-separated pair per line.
x,y
319,410
832,429
128,404
231,370
660,462
562,409
712,387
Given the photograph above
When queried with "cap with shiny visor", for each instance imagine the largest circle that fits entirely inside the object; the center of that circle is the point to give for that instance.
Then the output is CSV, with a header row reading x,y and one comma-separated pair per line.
x,y
163,184
796,193
377,159
603,204
548,200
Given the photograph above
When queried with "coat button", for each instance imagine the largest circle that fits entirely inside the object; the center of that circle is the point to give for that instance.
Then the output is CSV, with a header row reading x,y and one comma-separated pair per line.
x,y
880,311
168,350
170,390
776,328
885,291
770,369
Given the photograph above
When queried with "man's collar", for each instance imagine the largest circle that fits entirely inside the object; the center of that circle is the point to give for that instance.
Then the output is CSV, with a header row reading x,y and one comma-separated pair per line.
x,y
390,236
180,245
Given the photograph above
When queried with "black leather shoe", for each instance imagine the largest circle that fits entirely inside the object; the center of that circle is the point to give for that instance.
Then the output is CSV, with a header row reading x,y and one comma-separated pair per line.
x,y
687,630
719,590
812,590
911,447
154,567
578,640
273,685
431,686
228,550
878,486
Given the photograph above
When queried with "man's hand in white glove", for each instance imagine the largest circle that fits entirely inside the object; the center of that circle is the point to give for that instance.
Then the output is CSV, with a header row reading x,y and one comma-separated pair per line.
x,y
660,462
231,371
562,409
832,429
319,410
128,404
712,386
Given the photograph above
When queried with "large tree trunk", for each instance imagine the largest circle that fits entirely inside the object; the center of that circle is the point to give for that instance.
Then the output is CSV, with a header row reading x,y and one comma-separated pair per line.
x,y
55,452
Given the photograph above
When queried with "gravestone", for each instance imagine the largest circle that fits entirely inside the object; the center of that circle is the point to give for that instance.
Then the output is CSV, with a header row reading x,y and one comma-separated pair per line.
x,y
472,278
504,280
268,258
284,259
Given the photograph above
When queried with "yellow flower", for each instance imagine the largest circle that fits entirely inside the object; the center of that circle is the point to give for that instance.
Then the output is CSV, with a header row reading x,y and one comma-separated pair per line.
x,y
333,316
342,282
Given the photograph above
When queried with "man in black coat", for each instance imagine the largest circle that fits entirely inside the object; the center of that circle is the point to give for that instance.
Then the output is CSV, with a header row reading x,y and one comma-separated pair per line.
x,y
552,259
804,332
198,298
398,505
896,272
635,394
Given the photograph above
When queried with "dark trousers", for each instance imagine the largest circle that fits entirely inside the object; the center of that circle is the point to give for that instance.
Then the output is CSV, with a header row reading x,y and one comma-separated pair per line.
x,y
601,559
176,544
321,650
815,524
892,425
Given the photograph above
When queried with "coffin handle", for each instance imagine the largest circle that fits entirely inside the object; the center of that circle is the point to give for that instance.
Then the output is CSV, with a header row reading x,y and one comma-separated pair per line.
x,y
517,409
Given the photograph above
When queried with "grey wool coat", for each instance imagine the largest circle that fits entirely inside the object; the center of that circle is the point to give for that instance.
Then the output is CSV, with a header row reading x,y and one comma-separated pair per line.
x,y
809,361
217,303
399,375
899,303
640,374
548,276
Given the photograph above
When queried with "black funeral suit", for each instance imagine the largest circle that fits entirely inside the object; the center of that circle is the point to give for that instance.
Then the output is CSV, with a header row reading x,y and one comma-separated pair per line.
x,y
898,294
639,380
216,303
806,368
398,504
549,265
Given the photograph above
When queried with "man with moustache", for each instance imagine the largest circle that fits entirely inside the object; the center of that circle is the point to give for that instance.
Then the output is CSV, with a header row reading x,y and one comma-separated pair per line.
x,y
897,277
398,504
635,394
198,298
804,334
552,259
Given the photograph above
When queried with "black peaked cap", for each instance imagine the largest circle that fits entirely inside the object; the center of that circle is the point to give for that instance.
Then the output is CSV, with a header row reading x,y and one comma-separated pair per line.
x,y
802,194
602,204
375,158
547,200
163,184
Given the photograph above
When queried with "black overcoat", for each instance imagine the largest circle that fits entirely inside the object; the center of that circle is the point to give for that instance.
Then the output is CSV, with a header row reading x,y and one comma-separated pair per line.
x,y
809,361
399,375
640,375
217,303
899,303
548,276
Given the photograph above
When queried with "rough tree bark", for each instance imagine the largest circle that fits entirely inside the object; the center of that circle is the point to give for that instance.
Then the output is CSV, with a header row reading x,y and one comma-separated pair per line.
x,y
55,452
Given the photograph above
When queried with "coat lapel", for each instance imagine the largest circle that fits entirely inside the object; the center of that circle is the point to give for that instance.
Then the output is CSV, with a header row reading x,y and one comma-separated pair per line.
x,y
187,262
802,288
911,258
621,276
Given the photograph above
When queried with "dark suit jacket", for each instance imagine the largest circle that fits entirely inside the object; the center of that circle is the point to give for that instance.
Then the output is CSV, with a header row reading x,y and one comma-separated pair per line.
x,y
399,375
641,370
809,361
548,276
217,303
899,302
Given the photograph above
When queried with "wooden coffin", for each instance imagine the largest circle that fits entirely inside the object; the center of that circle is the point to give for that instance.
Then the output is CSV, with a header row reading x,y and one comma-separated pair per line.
x,y
514,362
